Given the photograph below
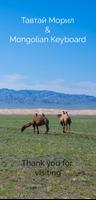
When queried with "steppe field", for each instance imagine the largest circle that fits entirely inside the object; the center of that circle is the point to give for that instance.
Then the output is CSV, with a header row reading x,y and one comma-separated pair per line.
x,y
56,165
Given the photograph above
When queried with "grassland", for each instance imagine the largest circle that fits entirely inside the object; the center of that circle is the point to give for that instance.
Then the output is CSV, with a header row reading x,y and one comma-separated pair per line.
x,y
76,181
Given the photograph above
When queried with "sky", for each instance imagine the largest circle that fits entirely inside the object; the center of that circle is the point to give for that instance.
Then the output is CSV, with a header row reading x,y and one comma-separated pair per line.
x,y
67,68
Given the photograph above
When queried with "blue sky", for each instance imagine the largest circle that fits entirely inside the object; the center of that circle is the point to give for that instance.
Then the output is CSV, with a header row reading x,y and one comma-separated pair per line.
x,y
70,68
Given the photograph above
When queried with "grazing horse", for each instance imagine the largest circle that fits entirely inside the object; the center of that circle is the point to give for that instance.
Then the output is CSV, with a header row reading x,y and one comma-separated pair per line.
x,y
65,121
37,120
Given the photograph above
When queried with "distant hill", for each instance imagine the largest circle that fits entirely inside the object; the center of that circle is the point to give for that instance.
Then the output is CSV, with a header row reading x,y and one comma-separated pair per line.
x,y
48,99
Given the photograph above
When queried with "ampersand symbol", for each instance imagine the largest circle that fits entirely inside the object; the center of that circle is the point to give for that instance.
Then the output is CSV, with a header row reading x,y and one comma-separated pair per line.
x,y
47,30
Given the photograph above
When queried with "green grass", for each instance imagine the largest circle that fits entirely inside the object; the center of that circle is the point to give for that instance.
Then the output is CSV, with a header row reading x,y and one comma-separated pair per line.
x,y
76,181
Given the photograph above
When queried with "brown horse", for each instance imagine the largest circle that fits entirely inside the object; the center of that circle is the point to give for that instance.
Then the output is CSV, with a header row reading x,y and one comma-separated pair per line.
x,y
37,120
65,121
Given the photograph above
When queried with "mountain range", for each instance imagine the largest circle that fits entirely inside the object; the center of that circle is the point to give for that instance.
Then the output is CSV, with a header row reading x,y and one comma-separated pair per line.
x,y
44,99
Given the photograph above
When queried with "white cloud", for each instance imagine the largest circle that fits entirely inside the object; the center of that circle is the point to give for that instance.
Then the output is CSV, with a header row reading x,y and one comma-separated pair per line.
x,y
13,77
85,87
11,81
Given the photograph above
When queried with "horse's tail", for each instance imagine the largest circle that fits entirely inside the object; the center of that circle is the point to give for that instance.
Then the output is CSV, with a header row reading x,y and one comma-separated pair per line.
x,y
26,126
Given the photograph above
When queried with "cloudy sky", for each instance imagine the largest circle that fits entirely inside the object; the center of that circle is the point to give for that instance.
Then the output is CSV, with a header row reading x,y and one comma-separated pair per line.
x,y
70,68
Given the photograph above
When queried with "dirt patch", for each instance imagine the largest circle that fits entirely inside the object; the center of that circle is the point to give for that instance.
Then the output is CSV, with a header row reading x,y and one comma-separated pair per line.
x,y
46,111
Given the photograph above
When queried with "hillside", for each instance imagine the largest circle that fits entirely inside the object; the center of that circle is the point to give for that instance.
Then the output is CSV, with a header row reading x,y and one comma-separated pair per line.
x,y
48,99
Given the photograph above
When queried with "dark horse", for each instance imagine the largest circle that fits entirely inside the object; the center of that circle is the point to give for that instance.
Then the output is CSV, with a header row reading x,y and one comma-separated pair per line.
x,y
37,120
